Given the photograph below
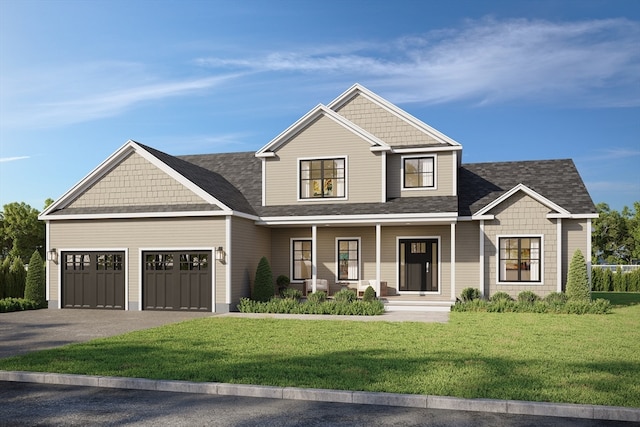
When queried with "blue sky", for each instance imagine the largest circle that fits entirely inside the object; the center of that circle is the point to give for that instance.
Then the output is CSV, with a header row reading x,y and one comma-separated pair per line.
x,y
509,80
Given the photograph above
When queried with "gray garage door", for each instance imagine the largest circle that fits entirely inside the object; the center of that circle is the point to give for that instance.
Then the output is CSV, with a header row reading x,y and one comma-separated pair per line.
x,y
177,280
93,280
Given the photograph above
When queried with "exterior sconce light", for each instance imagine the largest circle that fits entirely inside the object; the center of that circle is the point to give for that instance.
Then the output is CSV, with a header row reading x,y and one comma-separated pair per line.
x,y
220,255
52,255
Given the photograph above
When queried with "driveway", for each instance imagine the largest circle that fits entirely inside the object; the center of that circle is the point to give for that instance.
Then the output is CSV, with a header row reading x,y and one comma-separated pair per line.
x,y
25,331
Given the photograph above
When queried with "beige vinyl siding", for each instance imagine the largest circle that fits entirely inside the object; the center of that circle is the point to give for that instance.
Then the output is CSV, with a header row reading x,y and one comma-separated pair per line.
x,y
444,168
135,182
249,243
467,256
521,215
324,138
380,122
179,233
281,250
574,236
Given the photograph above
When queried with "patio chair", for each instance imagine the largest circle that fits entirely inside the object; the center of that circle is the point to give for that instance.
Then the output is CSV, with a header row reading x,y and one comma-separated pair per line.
x,y
321,285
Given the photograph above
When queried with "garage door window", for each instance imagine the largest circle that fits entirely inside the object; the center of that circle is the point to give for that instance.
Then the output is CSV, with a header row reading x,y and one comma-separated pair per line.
x,y
194,261
159,262
77,261
109,262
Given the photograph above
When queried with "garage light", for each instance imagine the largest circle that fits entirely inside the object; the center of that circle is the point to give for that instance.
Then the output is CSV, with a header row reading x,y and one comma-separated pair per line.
x,y
52,255
220,254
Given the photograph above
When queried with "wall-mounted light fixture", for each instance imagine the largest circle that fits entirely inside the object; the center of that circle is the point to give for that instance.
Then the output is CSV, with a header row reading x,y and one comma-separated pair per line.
x,y
52,255
220,255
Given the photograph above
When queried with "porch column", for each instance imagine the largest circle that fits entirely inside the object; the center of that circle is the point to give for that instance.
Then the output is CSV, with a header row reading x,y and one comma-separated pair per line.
x,y
559,254
314,257
482,288
453,261
587,256
378,257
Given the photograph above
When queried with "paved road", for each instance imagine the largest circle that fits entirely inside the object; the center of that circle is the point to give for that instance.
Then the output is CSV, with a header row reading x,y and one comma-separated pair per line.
x,y
27,404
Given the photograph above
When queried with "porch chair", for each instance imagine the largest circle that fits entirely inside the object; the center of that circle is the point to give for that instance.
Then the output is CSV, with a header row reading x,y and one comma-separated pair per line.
x,y
321,285
364,284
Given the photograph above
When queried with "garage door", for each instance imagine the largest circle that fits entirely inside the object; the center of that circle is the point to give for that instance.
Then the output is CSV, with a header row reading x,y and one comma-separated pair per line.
x,y
177,280
93,280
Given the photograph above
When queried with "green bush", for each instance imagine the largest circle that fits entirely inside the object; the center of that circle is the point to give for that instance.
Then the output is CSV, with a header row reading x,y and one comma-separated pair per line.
x,y
291,306
282,282
369,294
577,279
17,304
317,297
345,296
556,298
469,294
292,293
263,285
500,296
527,297
35,283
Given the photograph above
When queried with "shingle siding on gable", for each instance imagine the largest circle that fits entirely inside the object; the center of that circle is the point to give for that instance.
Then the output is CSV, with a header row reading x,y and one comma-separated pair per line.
x,y
324,138
135,182
444,176
522,216
382,123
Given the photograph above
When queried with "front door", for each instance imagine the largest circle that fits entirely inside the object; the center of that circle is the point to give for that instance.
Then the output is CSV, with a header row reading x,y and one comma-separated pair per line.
x,y
419,265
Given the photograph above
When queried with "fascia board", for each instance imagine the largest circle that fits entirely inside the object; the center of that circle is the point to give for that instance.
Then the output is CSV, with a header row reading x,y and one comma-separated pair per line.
x,y
359,219
125,215
554,215
398,112
400,150
521,187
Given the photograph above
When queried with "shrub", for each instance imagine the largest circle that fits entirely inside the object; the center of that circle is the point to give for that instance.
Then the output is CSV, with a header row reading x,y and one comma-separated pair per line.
x,y
556,298
17,304
369,294
608,280
35,286
618,281
282,282
263,286
527,297
317,297
469,294
500,296
17,279
577,280
345,296
292,293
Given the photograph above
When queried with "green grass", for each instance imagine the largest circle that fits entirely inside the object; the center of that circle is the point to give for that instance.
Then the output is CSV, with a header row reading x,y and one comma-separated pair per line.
x,y
589,359
618,298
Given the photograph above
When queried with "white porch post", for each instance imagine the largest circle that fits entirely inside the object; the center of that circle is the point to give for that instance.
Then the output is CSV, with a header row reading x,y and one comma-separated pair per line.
x,y
482,290
453,261
314,257
378,257
559,254
587,256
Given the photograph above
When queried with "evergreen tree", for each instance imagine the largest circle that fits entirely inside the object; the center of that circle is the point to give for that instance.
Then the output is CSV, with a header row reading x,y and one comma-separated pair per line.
x,y
17,278
35,287
263,289
577,280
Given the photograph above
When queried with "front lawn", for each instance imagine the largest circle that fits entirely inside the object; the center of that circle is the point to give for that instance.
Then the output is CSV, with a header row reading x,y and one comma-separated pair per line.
x,y
589,359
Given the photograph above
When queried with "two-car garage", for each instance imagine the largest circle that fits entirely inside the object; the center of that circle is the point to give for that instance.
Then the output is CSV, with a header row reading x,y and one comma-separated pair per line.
x,y
171,280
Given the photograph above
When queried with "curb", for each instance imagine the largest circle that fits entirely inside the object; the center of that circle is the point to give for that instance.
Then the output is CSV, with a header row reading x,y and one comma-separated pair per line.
x,y
595,412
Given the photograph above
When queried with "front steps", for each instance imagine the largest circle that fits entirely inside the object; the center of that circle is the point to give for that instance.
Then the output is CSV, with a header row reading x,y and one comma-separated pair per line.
x,y
397,304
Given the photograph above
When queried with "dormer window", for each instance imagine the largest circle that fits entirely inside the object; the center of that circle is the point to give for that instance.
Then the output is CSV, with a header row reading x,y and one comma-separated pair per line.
x,y
418,172
323,178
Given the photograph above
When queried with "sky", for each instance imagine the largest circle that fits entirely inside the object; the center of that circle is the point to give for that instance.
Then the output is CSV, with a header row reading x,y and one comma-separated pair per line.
x,y
509,80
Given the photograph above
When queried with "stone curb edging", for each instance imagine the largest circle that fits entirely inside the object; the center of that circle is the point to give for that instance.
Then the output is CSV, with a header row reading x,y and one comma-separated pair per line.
x,y
595,412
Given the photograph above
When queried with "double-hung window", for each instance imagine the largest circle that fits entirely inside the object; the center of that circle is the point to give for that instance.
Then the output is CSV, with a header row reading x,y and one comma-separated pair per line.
x,y
301,259
348,259
419,172
322,178
520,259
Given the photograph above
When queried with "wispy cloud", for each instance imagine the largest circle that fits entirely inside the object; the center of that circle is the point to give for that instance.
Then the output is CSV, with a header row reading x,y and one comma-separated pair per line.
x,y
611,154
12,159
587,63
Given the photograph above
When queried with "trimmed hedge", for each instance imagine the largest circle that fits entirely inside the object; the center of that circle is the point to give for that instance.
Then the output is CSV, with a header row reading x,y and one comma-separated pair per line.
x,y
17,304
554,303
312,306
605,280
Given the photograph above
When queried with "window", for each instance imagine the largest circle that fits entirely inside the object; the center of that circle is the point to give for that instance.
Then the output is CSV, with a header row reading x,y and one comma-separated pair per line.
x,y
322,179
520,259
301,261
109,262
194,261
419,172
348,259
157,261
77,261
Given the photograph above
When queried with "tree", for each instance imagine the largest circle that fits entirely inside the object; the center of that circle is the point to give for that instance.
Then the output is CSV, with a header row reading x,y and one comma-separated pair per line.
x,y
616,236
577,279
263,289
35,287
20,231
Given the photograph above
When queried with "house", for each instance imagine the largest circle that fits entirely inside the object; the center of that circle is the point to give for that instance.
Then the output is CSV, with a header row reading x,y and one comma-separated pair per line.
x,y
357,191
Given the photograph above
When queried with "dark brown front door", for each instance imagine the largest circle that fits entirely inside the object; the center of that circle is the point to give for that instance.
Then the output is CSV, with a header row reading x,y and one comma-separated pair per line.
x,y
177,280
418,265
93,280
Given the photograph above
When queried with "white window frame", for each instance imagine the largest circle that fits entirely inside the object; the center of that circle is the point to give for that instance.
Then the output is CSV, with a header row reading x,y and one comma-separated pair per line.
x,y
359,240
323,199
520,236
291,250
434,156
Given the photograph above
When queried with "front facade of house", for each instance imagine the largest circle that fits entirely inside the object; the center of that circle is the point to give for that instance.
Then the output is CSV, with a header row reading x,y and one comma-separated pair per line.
x,y
354,193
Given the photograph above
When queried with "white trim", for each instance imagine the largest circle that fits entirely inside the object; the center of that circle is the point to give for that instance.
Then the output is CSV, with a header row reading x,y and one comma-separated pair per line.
x,y
126,215
383,103
453,261
559,266
320,110
483,217
517,236
127,265
291,248
47,236
414,219
425,149
482,237
553,215
337,253
587,256
229,259
521,187
264,181
439,239
454,159
435,172
212,261
383,177
324,199
378,256
314,258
